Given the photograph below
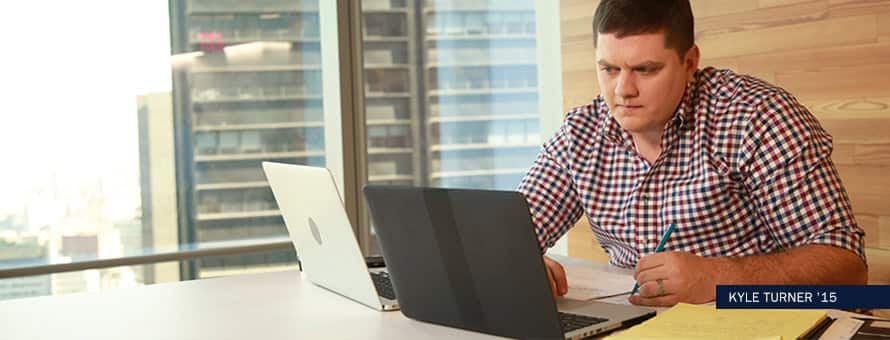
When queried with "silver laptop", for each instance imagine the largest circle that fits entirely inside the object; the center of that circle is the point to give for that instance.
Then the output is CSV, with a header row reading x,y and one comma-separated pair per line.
x,y
470,259
323,237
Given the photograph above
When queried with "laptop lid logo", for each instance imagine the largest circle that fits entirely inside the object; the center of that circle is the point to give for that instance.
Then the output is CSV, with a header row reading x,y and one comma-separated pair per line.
x,y
314,229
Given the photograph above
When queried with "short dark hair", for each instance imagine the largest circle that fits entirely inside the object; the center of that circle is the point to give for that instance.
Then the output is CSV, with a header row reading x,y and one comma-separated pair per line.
x,y
631,17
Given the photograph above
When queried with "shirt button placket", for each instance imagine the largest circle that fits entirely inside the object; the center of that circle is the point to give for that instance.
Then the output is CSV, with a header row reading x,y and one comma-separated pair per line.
x,y
645,220
640,219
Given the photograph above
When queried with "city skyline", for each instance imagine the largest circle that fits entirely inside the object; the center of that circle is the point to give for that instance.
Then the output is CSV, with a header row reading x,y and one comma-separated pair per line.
x,y
70,135
441,112
75,120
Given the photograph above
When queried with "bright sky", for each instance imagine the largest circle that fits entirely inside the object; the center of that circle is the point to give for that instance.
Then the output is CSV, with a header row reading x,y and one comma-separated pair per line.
x,y
70,72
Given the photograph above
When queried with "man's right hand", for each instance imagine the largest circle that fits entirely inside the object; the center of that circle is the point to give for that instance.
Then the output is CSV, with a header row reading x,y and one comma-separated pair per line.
x,y
557,276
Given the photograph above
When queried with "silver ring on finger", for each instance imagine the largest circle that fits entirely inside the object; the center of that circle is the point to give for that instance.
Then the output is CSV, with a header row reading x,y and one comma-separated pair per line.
x,y
660,284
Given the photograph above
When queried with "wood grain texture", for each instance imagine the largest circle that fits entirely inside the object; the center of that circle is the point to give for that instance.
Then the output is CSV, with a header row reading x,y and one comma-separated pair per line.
x,y
884,27
833,55
703,9
583,244
867,179
878,266
777,16
859,108
847,8
841,83
854,154
778,3
789,37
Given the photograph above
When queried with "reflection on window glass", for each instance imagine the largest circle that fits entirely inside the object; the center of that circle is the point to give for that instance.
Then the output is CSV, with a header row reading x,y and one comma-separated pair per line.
x,y
451,90
97,280
71,139
116,157
481,80
247,89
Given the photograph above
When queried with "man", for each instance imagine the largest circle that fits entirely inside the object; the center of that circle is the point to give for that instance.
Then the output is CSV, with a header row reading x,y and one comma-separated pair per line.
x,y
737,165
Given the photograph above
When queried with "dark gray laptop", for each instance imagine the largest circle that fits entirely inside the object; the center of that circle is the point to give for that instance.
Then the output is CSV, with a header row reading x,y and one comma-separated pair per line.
x,y
470,259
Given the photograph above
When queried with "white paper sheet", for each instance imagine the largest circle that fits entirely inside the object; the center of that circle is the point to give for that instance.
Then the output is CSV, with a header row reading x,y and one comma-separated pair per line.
x,y
881,324
842,329
587,283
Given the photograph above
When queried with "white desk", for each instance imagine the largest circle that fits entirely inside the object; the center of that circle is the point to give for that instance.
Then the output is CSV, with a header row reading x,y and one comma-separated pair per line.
x,y
281,305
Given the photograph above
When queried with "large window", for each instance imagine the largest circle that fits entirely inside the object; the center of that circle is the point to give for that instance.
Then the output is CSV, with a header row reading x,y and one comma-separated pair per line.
x,y
452,92
248,89
137,130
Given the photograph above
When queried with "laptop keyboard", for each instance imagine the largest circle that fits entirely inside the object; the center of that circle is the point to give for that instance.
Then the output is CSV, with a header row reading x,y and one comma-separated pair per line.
x,y
571,322
383,285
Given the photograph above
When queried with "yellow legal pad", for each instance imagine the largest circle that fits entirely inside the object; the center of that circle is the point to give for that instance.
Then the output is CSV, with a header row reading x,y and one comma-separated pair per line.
x,y
685,321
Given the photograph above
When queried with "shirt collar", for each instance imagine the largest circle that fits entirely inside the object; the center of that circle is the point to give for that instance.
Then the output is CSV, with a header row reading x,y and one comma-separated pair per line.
x,y
686,111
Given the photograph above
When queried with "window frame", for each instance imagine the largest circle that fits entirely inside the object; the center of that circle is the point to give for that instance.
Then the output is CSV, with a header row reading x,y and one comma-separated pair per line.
x,y
345,132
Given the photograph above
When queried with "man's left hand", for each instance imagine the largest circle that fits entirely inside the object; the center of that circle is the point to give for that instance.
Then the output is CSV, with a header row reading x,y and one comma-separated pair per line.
x,y
671,277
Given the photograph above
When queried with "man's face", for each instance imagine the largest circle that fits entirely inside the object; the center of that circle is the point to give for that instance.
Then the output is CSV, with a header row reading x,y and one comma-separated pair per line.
x,y
641,80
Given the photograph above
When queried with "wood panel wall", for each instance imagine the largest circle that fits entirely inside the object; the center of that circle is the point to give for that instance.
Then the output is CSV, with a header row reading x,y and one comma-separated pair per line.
x,y
833,55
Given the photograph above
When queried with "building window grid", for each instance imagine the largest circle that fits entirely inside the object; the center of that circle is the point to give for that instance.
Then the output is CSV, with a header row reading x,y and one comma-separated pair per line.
x,y
451,100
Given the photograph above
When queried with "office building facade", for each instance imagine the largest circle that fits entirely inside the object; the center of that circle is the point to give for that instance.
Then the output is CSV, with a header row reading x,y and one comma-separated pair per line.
x,y
450,91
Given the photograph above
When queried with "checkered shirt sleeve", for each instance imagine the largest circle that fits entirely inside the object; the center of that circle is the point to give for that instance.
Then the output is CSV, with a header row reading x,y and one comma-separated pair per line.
x,y
550,190
794,184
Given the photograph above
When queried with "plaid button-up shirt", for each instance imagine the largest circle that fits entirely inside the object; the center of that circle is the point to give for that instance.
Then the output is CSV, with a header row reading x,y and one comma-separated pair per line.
x,y
744,169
